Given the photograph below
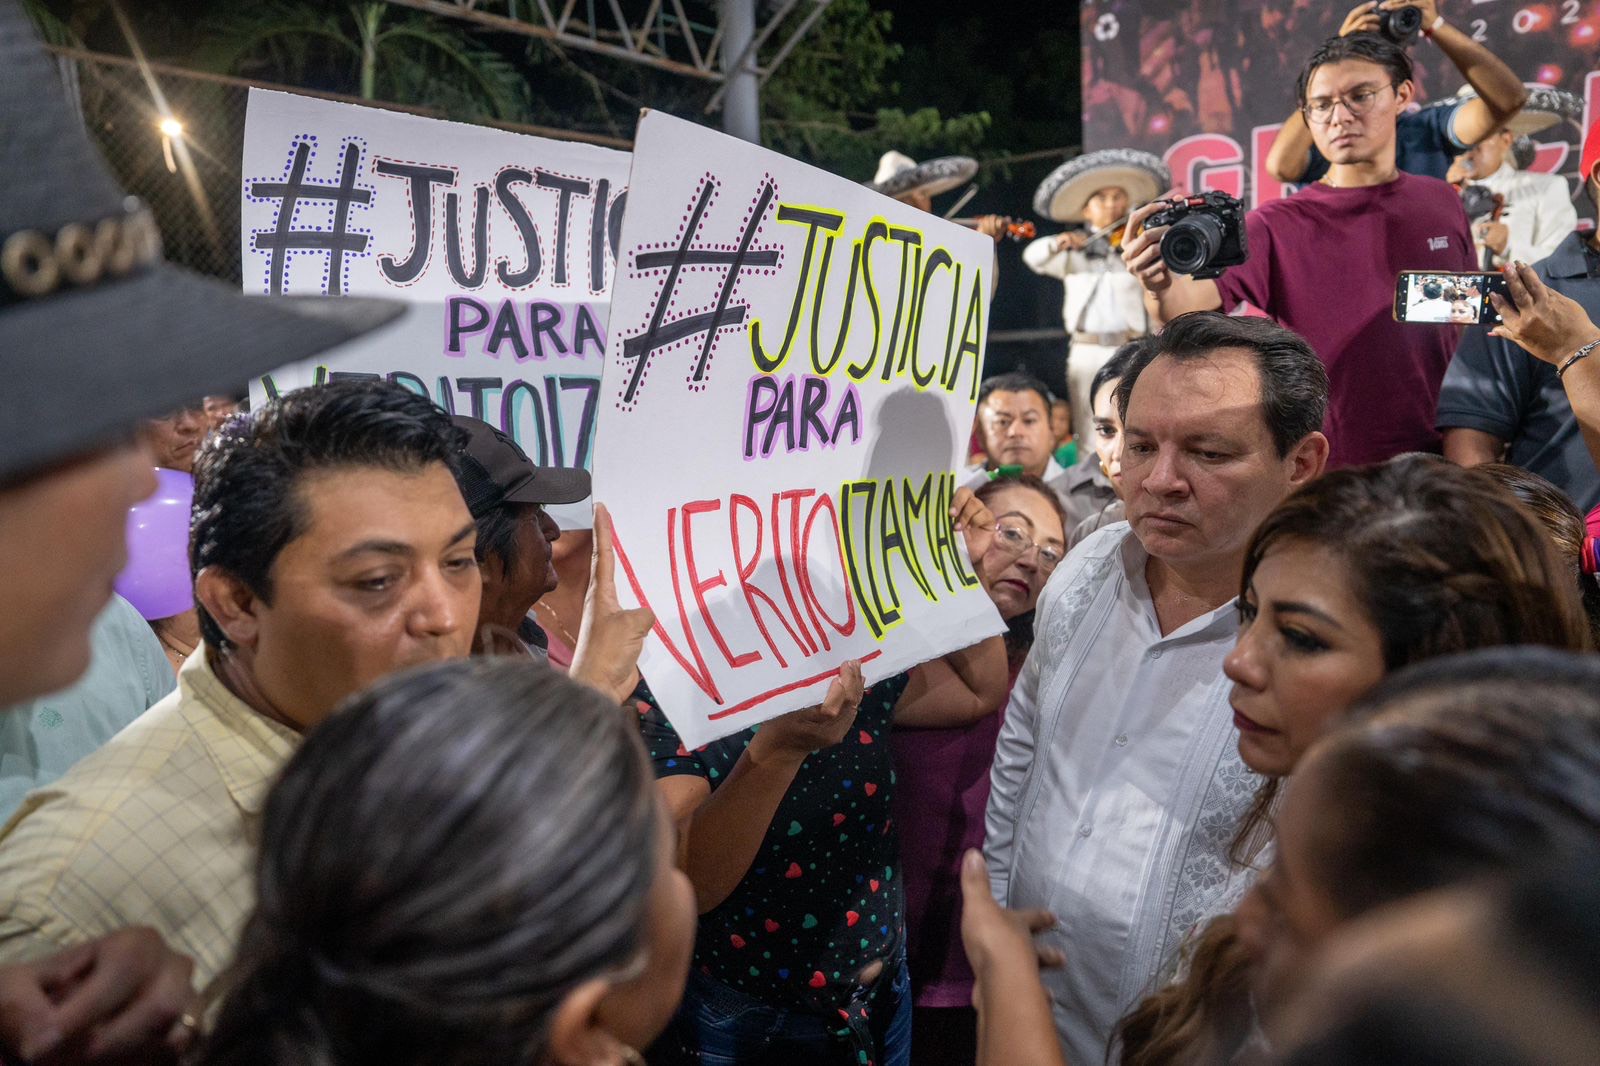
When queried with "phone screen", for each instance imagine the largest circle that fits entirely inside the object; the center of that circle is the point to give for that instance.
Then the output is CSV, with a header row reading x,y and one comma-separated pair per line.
x,y
1447,299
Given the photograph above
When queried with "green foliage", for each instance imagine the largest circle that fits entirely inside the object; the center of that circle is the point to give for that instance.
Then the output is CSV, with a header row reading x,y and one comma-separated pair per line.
x,y
829,102
831,142
844,62
836,100
372,49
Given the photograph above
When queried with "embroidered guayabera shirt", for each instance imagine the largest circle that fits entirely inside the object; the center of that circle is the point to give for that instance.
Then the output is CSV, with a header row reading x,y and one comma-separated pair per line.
x,y
1117,785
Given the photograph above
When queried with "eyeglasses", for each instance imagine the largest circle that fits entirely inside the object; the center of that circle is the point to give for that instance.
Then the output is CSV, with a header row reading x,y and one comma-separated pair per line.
x,y
1015,541
1319,112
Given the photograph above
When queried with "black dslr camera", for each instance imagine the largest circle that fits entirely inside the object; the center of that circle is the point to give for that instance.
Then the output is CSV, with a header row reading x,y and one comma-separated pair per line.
x,y
1401,25
1207,234
1480,202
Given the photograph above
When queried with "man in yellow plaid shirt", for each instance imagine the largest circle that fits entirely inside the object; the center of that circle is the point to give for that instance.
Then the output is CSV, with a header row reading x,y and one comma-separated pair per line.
x,y
332,546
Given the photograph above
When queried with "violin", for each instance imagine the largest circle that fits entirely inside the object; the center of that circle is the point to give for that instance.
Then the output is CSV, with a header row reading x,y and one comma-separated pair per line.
x,y
1020,231
1106,240
1016,231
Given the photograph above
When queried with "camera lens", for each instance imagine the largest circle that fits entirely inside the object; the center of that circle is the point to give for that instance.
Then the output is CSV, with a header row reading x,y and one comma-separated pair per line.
x,y
1191,243
1405,21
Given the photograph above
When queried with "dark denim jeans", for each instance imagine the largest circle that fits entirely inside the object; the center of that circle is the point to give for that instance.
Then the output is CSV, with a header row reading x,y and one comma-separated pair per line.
x,y
721,1026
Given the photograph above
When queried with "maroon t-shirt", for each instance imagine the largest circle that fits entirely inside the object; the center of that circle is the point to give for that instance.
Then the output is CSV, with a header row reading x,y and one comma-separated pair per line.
x,y
1323,263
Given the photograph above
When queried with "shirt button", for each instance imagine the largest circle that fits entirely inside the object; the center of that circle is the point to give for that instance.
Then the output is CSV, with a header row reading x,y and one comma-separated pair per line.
x,y
1085,830
1122,741
1156,654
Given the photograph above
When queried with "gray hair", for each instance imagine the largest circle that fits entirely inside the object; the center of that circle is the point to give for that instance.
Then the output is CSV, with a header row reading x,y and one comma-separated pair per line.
x,y
441,862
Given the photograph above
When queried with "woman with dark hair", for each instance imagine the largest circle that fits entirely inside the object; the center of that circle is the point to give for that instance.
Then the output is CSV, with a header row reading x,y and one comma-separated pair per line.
x,y
466,864
942,773
1561,519
1463,769
1412,558
1473,767
1362,572
1448,978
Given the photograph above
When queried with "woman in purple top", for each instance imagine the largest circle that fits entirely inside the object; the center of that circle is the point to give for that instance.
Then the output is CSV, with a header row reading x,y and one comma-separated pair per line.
x,y
942,776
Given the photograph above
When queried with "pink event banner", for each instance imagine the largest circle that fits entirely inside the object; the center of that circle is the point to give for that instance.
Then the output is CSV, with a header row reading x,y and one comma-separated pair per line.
x,y
1206,83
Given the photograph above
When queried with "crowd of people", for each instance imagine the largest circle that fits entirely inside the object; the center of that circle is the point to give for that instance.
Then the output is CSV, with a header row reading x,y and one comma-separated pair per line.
x,y
1289,752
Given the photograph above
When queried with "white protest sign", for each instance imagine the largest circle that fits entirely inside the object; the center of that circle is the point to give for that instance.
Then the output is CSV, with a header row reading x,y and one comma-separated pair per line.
x,y
790,380
503,243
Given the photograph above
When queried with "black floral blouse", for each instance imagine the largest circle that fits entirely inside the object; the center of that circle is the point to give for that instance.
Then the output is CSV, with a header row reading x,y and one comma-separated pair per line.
x,y
822,899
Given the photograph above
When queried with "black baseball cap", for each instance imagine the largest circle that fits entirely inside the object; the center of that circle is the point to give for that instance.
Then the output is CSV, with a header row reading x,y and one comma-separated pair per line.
x,y
495,471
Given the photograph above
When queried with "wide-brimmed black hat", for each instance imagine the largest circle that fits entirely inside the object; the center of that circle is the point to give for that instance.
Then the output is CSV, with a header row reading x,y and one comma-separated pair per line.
x,y
495,471
96,330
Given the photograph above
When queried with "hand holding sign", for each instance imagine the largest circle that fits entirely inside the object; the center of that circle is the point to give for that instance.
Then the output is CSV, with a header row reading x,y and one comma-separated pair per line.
x,y
799,733
790,378
607,655
975,523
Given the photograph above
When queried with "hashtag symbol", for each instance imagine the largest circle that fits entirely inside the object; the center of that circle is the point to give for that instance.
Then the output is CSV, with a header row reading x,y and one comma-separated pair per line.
x,y
336,239
666,333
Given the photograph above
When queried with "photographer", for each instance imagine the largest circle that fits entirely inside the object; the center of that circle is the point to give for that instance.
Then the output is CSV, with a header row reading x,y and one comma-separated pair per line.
x,y
1502,395
1324,262
1505,392
1429,139
1558,331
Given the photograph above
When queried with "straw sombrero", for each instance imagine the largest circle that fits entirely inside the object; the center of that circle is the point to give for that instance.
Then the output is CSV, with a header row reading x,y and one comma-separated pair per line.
x,y
899,175
1063,194
1546,107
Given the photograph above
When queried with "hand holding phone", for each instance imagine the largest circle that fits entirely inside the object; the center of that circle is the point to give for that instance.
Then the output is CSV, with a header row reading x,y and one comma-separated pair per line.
x,y
1539,320
1435,298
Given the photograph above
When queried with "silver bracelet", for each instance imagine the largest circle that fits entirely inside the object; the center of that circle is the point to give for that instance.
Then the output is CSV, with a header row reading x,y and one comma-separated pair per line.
x,y
1575,356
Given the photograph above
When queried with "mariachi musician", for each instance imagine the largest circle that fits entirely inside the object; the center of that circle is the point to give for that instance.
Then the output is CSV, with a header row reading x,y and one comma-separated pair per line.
x,y
1535,211
1104,305
904,179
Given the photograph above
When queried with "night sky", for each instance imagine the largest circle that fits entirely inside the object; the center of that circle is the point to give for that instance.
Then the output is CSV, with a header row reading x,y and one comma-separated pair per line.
x,y
1024,71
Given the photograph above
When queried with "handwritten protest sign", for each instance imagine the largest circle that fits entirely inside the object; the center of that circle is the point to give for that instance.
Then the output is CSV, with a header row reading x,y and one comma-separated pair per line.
x,y
790,380
503,243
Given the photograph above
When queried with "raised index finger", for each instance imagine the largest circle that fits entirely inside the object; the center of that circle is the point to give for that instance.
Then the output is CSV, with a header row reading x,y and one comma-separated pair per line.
x,y
602,561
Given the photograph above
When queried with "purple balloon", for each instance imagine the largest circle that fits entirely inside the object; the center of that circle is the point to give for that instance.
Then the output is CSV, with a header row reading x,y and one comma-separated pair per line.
x,y
156,580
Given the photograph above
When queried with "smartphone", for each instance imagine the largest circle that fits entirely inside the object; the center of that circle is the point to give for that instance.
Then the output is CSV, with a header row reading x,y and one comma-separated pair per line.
x,y
1448,299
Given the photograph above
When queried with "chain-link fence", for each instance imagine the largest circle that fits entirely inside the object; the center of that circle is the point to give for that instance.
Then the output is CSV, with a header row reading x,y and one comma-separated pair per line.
x,y
192,186
191,180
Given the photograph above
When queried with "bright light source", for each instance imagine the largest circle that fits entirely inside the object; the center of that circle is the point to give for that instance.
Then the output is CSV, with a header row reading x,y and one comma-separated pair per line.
x,y
170,127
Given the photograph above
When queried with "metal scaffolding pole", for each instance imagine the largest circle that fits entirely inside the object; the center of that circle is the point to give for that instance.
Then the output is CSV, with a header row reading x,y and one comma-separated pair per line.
x,y
741,102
